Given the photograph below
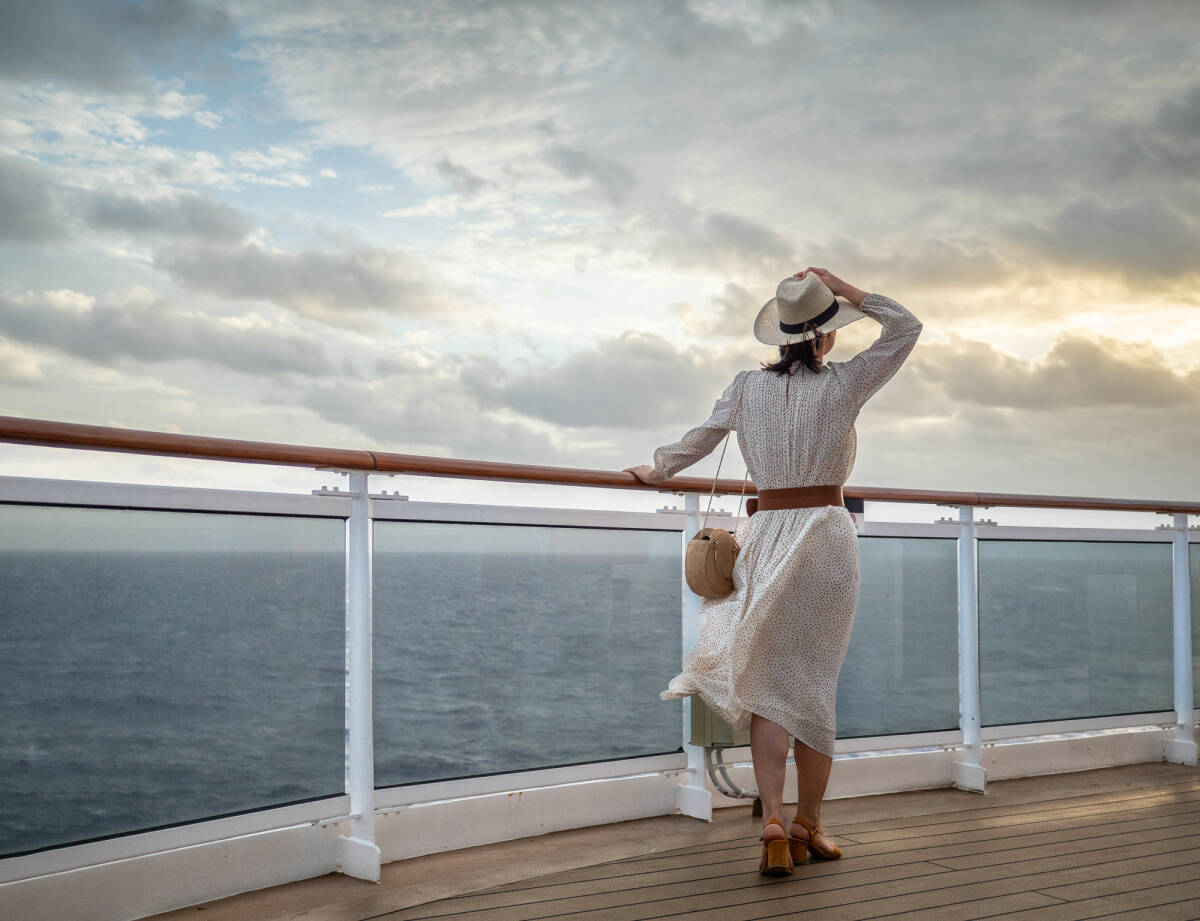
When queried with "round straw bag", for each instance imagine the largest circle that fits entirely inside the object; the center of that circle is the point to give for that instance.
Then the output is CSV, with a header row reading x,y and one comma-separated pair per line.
x,y
709,562
711,553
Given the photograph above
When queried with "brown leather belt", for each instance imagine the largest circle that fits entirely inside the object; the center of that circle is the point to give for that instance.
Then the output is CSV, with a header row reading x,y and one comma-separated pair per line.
x,y
795,497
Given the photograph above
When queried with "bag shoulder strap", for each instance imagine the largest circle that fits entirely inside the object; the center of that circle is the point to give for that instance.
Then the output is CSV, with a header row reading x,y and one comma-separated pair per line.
x,y
721,459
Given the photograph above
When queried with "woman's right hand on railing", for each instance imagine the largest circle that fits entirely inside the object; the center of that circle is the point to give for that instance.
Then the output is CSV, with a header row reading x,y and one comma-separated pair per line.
x,y
647,474
836,285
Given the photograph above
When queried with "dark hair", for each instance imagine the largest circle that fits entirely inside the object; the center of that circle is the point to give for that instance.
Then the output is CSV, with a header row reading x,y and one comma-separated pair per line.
x,y
806,352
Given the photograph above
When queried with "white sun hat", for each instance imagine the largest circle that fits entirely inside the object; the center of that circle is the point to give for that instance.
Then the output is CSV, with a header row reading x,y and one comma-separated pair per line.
x,y
797,301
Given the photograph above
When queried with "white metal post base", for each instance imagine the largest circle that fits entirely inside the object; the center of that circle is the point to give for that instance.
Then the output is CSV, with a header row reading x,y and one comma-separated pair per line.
x,y
969,775
1180,750
358,858
694,801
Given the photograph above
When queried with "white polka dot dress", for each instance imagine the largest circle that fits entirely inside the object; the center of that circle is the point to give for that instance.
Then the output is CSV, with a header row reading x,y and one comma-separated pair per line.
x,y
775,645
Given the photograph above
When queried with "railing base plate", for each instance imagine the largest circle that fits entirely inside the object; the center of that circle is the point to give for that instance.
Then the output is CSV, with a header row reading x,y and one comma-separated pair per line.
x,y
695,802
358,858
1180,751
971,777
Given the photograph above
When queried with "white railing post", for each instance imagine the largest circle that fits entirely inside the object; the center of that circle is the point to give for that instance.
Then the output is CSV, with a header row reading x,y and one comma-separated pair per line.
x,y
968,773
1181,746
693,798
357,853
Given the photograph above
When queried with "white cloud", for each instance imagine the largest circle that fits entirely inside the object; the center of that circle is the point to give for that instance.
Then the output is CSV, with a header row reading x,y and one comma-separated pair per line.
x,y
19,365
206,119
274,157
174,104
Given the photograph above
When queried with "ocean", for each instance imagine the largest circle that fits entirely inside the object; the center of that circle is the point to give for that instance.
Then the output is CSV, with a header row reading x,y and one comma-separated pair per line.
x,y
144,688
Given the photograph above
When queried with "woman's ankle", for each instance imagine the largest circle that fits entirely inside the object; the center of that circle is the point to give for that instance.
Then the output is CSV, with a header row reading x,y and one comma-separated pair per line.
x,y
771,831
773,828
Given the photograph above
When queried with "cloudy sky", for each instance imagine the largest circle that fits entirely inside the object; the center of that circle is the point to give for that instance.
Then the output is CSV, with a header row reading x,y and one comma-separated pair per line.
x,y
539,232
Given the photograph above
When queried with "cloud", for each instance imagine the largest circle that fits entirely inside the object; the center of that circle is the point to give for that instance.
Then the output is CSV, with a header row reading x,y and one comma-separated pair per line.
x,y
685,236
277,165
614,181
1181,116
35,207
723,151
182,216
140,326
1078,372
462,179
732,314
18,365
275,157
1144,239
323,285
630,381
969,261
207,119
424,413
104,44
28,209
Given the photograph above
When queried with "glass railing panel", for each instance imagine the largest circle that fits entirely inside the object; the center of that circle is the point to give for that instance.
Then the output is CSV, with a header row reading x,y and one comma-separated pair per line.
x,y
502,648
165,667
901,670
1073,629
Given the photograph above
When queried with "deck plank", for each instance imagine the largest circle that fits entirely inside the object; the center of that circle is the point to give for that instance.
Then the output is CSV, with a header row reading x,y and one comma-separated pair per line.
x,y
1118,842
879,892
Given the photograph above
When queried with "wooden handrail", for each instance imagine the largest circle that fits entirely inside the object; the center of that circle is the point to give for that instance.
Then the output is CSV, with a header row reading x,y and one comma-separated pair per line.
x,y
18,430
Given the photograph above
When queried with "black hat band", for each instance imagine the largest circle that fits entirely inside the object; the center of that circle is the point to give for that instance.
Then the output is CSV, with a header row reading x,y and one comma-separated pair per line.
x,y
828,314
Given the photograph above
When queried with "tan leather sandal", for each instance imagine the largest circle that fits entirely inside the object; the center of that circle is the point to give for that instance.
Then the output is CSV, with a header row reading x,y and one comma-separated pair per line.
x,y
799,845
776,855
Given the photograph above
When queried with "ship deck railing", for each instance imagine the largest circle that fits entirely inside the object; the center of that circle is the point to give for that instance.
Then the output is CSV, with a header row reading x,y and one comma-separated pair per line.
x,y
398,710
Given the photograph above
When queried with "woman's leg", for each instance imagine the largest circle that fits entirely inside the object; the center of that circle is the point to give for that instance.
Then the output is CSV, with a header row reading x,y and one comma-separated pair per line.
x,y
812,776
768,749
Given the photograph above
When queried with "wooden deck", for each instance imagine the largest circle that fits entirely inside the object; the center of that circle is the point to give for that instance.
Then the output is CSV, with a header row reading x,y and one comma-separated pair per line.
x,y
1118,843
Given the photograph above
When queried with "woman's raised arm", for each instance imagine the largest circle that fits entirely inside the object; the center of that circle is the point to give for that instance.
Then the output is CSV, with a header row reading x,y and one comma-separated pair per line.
x,y
875,365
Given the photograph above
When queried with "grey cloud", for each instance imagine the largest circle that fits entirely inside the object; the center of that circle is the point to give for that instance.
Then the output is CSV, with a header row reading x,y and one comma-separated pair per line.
x,y
35,207
316,284
1181,116
1077,372
923,263
716,241
462,179
423,413
28,208
154,331
104,44
186,215
634,380
1144,239
615,181
736,310
739,233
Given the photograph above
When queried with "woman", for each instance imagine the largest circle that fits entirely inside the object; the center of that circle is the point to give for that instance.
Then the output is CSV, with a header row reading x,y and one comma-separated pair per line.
x,y
769,654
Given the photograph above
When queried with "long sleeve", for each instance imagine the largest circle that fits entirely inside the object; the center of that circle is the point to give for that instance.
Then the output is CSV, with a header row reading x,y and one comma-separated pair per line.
x,y
875,365
699,442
